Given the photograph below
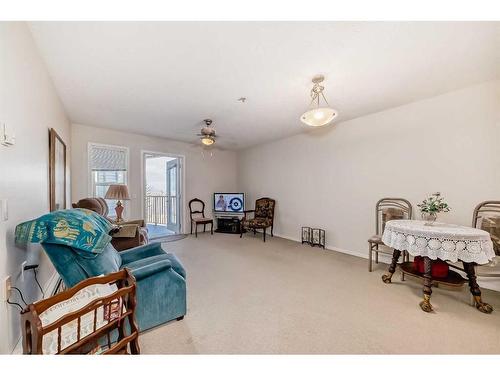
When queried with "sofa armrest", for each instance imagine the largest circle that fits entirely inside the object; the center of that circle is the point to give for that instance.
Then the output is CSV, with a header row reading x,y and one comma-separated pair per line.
x,y
177,265
150,269
141,252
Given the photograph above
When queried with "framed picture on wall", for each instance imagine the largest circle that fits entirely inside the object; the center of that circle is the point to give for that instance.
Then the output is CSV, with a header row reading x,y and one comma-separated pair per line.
x,y
57,171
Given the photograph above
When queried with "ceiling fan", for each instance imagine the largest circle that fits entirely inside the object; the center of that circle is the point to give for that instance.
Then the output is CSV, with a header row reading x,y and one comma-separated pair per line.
x,y
207,133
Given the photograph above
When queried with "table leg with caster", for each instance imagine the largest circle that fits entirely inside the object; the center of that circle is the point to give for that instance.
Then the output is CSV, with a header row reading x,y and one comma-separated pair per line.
x,y
425,305
386,278
474,289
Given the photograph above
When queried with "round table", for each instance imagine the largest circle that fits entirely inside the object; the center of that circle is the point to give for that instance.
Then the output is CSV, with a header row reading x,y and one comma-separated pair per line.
x,y
443,241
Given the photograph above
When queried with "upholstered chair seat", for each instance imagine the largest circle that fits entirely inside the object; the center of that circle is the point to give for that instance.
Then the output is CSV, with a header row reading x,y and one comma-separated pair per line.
x,y
259,222
202,219
376,239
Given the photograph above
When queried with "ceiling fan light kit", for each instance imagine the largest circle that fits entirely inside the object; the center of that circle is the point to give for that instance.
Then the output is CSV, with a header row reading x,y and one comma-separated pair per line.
x,y
207,133
207,140
318,115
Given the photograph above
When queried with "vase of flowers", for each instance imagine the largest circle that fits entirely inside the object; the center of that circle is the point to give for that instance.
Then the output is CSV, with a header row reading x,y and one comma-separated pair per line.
x,y
431,206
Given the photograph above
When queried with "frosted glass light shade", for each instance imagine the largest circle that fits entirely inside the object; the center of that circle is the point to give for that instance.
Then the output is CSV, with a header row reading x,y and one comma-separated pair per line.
x,y
207,141
319,116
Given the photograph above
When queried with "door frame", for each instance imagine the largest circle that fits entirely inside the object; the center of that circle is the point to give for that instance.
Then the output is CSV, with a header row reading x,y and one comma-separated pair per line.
x,y
174,164
182,172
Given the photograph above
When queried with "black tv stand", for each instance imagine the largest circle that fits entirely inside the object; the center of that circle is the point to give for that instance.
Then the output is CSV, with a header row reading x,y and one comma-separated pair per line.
x,y
228,224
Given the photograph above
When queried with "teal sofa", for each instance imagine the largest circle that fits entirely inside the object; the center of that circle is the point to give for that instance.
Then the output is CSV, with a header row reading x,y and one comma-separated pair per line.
x,y
161,278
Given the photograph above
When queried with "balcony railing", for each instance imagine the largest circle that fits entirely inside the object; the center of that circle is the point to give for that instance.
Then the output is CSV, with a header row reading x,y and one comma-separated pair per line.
x,y
161,208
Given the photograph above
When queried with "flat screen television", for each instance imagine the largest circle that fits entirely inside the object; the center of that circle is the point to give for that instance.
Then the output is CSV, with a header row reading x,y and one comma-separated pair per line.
x,y
229,202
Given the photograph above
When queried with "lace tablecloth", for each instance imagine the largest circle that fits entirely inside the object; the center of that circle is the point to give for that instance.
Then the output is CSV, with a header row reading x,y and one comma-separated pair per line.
x,y
440,240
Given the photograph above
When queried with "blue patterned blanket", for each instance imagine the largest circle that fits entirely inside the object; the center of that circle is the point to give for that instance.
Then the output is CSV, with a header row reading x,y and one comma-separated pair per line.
x,y
79,228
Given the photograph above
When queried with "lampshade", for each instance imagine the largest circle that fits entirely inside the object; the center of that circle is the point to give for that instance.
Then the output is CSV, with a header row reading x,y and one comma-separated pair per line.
x,y
119,192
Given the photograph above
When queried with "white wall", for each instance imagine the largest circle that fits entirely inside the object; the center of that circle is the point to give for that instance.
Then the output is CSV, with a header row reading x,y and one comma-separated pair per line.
x,y
30,106
203,176
331,178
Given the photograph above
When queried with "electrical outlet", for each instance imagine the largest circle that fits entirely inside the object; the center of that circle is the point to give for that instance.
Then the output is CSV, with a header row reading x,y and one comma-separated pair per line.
x,y
23,264
7,285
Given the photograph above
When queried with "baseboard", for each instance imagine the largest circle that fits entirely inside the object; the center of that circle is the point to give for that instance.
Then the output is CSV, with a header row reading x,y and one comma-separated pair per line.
x,y
48,290
384,258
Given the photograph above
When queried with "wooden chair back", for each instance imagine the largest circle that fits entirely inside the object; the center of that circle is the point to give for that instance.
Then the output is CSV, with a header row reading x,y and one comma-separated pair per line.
x,y
391,209
486,216
196,202
119,321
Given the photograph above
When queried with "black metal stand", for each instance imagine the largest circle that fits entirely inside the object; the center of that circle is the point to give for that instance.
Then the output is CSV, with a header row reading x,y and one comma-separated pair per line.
x,y
228,225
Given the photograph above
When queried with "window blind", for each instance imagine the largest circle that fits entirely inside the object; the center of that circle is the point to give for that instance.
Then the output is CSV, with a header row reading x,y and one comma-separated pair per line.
x,y
105,158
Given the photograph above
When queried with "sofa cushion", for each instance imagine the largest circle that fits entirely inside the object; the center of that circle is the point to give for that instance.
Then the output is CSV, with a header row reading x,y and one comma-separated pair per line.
x,y
145,261
99,264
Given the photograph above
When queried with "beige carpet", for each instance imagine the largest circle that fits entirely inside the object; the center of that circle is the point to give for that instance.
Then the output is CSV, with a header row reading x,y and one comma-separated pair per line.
x,y
250,297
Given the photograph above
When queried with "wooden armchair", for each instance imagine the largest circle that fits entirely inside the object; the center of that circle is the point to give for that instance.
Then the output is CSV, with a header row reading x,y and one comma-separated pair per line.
x,y
263,217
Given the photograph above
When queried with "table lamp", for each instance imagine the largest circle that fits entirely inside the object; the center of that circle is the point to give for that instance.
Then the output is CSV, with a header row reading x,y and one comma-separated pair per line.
x,y
119,192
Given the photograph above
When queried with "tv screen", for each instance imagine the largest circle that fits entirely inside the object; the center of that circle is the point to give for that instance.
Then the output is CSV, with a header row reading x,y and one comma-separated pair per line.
x,y
229,202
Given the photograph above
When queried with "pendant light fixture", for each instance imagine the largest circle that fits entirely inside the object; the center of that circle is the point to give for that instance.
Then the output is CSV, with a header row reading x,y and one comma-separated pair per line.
x,y
318,115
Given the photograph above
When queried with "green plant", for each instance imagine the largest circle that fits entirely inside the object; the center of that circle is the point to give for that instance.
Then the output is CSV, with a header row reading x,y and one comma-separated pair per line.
x,y
434,204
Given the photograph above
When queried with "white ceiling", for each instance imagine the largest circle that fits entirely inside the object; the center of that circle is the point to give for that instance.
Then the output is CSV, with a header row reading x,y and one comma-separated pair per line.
x,y
164,78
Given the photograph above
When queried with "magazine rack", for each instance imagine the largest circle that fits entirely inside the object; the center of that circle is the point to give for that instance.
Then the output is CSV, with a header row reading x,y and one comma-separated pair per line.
x,y
104,325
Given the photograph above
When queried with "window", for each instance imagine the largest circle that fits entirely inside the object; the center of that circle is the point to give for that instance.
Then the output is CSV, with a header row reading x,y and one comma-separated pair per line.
x,y
107,166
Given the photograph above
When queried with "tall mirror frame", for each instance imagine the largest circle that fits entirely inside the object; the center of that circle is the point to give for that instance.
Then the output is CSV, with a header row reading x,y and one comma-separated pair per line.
x,y
57,171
